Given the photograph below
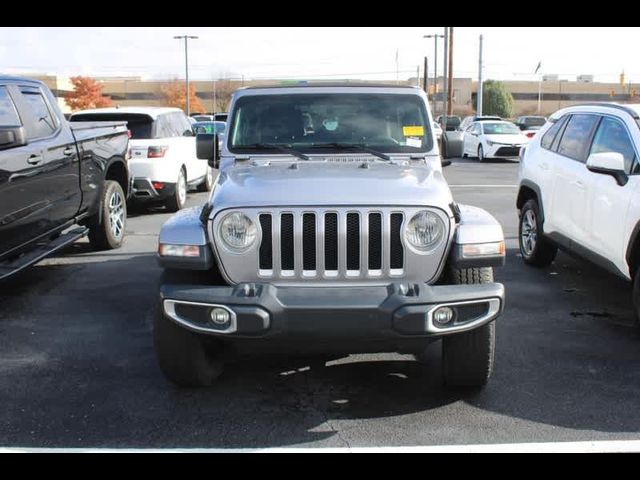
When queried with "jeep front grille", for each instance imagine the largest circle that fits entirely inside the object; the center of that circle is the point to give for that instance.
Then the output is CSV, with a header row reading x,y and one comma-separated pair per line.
x,y
360,253
341,245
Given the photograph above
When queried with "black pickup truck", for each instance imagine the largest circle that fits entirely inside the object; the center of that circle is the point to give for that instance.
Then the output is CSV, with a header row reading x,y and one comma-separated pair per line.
x,y
58,182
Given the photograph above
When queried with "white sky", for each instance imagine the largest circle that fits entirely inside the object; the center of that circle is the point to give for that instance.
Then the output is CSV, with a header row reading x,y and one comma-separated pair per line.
x,y
318,52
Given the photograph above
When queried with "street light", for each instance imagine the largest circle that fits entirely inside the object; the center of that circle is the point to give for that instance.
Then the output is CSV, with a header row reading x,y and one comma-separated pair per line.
x,y
186,65
435,67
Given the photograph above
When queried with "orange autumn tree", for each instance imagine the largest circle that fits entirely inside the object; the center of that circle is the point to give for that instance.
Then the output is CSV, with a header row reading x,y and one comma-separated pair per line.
x,y
87,93
175,96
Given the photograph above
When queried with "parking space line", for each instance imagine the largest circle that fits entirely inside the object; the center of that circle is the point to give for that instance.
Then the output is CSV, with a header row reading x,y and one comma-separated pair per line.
x,y
483,185
604,446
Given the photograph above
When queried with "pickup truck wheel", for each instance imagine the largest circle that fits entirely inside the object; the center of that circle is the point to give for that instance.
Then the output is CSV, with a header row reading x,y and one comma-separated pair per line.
x,y
186,358
179,198
109,234
534,248
468,357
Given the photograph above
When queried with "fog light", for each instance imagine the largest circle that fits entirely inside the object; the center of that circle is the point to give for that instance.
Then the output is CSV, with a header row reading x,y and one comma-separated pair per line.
x,y
220,316
443,315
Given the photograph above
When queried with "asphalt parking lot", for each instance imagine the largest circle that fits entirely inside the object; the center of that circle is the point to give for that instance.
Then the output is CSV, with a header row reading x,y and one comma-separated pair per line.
x,y
77,366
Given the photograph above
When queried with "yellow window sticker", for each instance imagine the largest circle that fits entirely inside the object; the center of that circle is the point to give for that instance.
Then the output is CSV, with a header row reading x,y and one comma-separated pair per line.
x,y
413,131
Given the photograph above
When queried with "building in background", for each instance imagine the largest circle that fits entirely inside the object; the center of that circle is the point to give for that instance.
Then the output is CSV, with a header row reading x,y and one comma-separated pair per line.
x,y
556,92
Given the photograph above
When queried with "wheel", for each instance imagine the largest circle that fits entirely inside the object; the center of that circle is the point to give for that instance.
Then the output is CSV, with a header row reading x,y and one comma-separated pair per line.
x,y
534,248
109,233
186,359
207,185
179,198
468,358
480,153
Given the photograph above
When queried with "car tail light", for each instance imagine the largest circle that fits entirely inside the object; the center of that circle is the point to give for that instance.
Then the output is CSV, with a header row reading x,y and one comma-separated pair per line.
x,y
157,152
530,134
129,133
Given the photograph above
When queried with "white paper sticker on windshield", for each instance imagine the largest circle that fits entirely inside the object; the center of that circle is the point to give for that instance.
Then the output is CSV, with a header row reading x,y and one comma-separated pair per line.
x,y
414,142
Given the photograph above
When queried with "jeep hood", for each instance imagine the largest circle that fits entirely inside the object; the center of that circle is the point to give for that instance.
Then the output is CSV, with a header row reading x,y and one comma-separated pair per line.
x,y
326,184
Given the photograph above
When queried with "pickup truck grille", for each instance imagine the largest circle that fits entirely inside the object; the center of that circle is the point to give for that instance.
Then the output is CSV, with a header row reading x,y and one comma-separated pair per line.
x,y
360,253
316,245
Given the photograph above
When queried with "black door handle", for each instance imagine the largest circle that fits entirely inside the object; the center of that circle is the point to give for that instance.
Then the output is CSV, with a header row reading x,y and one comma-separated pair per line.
x,y
68,151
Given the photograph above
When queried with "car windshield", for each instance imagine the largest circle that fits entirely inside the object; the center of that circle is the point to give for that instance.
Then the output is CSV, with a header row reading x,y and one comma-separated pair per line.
x,y
500,128
392,123
535,121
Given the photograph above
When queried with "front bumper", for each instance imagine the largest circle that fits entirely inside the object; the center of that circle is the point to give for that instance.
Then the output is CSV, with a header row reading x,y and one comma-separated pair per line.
x,y
358,314
502,151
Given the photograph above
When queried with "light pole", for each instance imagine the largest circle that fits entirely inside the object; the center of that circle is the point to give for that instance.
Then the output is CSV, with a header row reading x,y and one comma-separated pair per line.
x,y
186,65
435,67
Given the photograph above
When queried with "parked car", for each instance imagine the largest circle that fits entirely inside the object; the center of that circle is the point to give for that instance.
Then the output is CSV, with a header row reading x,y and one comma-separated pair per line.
x,y
492,139
210,127
474,118
220,117
163,159
342,240
437,130
58,182
202,118
579,190
453,122
530,124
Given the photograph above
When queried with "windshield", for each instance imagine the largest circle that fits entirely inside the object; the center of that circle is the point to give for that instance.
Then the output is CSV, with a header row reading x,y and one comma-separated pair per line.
x,y
502,128
535,121
385,122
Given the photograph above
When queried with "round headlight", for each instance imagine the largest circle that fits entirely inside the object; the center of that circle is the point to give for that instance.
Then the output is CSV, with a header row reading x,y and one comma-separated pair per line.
x,y
424,231
237,231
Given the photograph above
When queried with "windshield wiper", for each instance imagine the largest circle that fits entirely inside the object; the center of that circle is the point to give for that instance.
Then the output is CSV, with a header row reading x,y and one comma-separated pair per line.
x,y
352,146
278,147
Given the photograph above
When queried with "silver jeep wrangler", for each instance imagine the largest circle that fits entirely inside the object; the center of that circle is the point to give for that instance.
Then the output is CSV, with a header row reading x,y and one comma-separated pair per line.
x,y
330,230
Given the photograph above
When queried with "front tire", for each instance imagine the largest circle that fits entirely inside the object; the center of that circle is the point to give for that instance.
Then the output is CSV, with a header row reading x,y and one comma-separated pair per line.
x,y
185,358
481,154
534,248
179,197
110,232
468,358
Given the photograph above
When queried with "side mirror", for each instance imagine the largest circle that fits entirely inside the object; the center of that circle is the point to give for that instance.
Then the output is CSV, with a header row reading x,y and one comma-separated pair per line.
x,y
609,163
11,137
207,148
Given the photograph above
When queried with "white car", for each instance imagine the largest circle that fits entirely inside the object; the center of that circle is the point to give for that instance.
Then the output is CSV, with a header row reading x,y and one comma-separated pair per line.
x,y
163,161
580,189
492,139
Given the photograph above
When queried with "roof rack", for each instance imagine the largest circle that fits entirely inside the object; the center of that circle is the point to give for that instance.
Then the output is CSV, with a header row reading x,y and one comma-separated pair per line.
x,y
624,108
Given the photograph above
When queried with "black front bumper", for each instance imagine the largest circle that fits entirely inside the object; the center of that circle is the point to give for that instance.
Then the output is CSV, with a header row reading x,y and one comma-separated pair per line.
x,y
387,314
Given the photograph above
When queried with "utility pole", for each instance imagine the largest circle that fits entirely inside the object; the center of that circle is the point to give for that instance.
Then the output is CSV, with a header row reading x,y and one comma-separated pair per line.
x,y
450,89
445,69
435,68
426,76
479,95
186,65
418,76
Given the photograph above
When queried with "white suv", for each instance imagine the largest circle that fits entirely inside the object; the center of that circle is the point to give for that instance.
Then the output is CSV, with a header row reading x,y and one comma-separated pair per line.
x,y
163,161
580,189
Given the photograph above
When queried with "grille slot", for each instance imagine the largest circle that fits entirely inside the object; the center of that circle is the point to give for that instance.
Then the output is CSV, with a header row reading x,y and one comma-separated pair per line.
x,y
353,241
266,247
375,241
331,241
286,241
397,250
309,241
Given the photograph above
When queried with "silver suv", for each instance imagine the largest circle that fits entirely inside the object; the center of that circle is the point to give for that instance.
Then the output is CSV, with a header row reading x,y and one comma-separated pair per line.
x,y
330,230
